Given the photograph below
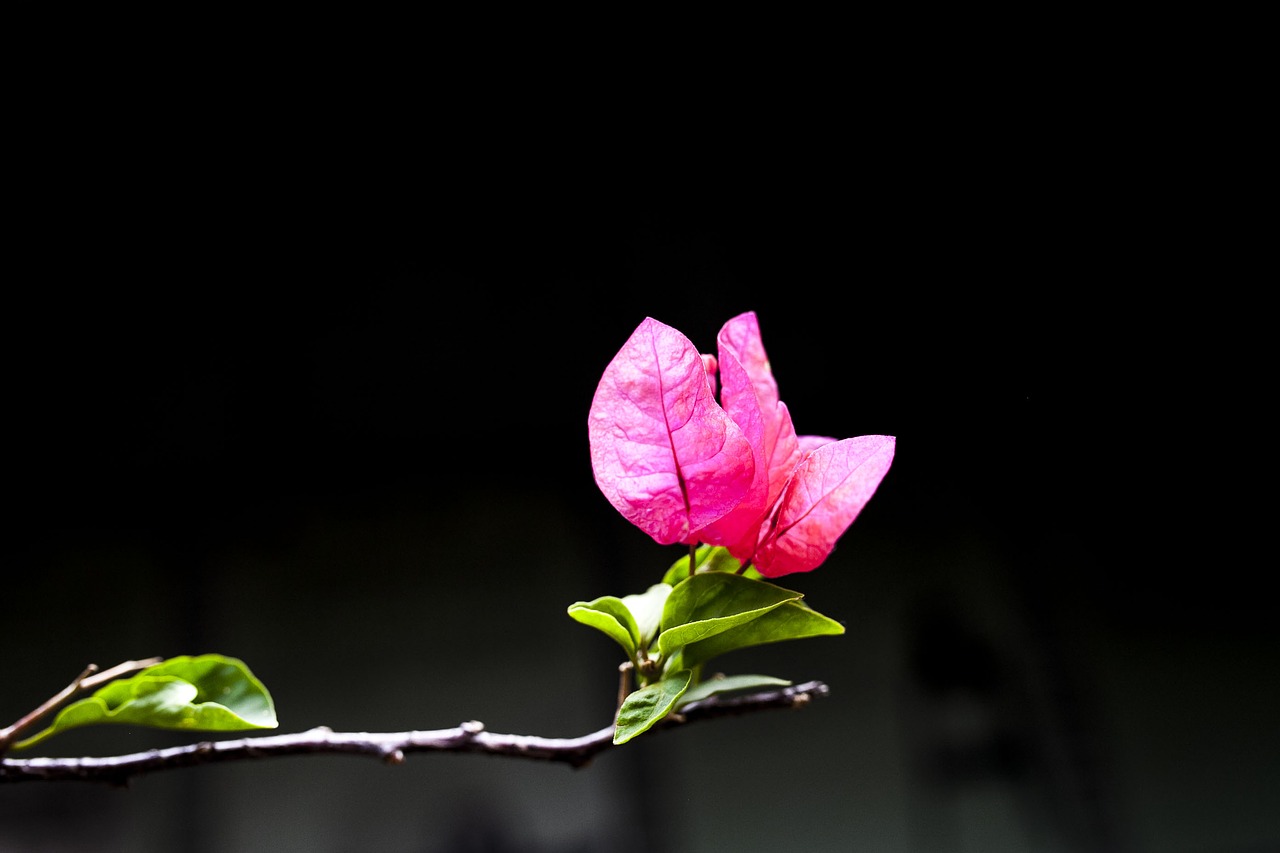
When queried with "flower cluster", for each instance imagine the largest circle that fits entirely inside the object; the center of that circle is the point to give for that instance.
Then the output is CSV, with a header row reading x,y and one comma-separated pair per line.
x,y
695,448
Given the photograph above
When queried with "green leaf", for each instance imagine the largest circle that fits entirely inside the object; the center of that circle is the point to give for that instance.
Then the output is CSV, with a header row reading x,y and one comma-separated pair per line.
x,y
792,621
209,693
706,605
706,559
646,706
728,684
610,615
646,607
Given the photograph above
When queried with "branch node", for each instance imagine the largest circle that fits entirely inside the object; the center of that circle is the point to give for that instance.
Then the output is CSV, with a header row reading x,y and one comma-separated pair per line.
x,y
393,756
472,727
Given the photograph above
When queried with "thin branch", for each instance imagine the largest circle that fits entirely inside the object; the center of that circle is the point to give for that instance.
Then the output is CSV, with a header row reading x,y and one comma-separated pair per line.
x,y
389,746
121,669
624,682
86,680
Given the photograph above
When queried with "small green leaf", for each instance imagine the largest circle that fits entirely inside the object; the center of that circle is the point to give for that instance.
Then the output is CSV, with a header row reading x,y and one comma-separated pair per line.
x,y
610,615
706,605
728,684
208,693
792,621
646,706
646,607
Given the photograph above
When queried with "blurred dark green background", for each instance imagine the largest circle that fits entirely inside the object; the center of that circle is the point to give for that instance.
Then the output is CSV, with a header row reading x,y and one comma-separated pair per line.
x,y
336,427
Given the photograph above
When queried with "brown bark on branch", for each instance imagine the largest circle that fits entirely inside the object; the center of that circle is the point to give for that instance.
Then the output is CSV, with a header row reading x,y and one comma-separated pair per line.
x,y
389,746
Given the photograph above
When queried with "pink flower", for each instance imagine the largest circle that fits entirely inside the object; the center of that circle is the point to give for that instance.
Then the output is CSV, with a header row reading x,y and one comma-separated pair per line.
x,y
687,468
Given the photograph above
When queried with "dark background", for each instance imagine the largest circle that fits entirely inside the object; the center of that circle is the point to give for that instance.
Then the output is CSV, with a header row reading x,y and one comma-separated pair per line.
x,y
323,408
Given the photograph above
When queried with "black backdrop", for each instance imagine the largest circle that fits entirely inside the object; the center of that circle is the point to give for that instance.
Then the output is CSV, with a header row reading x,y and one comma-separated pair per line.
x,y
211,359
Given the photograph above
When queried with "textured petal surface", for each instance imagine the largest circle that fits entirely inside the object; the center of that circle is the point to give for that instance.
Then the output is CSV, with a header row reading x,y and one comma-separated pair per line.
x,y
662,450
785,454
826,492
741,337
809,443
753,388
738,398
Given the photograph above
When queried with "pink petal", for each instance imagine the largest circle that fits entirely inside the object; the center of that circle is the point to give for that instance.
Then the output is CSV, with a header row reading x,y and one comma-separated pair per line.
x,y
741,337
738,398
709,364
663,451
810,443
826,492
776,451
785,453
